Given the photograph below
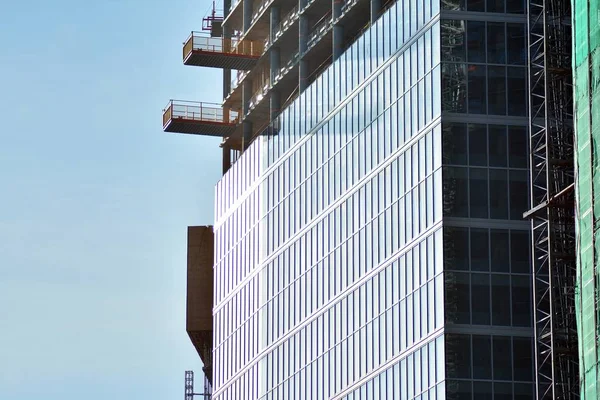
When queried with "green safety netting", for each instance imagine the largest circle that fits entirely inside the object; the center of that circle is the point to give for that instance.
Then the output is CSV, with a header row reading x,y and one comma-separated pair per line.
x,y
586,77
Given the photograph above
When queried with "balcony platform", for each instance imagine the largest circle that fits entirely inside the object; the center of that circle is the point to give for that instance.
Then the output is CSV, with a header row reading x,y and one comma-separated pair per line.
x,y
204,51
196,118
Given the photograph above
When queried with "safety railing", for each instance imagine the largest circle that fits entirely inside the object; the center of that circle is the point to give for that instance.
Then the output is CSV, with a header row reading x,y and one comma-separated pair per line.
x,y
348,4
198,41
237,78
260,9
286,67
319,30
286,22
198,111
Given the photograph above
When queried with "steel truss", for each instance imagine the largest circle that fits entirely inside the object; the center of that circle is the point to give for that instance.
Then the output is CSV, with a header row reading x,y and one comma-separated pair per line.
x,y
552,211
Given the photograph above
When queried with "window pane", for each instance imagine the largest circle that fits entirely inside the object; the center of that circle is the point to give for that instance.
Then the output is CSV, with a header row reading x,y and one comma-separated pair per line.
x,y
456,192
476,39
458,351
517,51
458,295
523,359
500,250
499,193
479,250
518,194
503,391
482,357
482,390
453,40
456,251
497,145
495,6
521,300
480,298
478,187
500,300
517,87
497,90
455,143
517,146
477,145
520,251
502,358
496,47
515,6
524,391
477,89
459,390
453,87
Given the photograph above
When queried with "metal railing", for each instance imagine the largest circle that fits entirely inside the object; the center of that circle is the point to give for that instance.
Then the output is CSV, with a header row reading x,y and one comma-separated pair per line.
x,y
198,41
198,111
319,30
260,9
286,22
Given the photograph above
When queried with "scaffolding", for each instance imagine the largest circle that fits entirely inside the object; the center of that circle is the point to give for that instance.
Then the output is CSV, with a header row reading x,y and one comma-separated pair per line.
x,y
552,198
586,70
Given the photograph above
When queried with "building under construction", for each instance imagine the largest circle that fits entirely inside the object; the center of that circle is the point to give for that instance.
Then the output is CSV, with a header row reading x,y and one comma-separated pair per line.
x,y
369,239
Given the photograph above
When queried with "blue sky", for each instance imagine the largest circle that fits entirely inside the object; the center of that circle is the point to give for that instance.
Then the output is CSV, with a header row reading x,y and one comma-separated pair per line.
x,y
95,198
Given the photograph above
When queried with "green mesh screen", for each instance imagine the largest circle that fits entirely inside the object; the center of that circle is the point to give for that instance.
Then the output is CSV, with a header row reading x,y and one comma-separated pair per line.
x,y
586,76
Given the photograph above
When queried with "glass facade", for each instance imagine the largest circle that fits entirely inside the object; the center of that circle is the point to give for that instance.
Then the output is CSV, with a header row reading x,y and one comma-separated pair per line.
x,y
372,248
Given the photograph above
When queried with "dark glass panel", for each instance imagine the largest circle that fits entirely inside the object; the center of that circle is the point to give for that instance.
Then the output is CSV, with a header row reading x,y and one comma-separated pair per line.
x,y
497,145
517,87
520,252
498,194
502,358
495,6
499,250
482,390
456,192
476,41
517,146
479,250
503,391
521,300
518,187
453,40
458,297
458,352
496,43
523,359
456,249
480,298
500,300
477,89
482,357
455,143
478,192
459,390
477,144
524,391
454,87
515,6
515,44
497,90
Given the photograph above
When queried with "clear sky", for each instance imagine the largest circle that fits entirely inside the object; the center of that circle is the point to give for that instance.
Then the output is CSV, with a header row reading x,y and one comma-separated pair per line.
x,y
95,198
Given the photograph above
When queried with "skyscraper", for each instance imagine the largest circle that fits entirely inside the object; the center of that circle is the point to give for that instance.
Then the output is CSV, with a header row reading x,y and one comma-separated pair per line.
x,y
369,238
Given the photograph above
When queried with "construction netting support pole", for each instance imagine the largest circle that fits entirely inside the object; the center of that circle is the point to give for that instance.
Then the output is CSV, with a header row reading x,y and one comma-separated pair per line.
x,y
552,199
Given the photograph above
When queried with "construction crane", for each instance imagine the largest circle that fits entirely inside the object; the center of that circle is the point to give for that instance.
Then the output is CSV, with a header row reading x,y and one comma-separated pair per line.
x,y
189,387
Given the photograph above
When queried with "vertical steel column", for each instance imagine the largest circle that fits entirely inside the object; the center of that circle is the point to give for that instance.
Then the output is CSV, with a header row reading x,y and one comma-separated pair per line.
x,y
247,12
247,125
338,29
275,63
226,158
375,10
